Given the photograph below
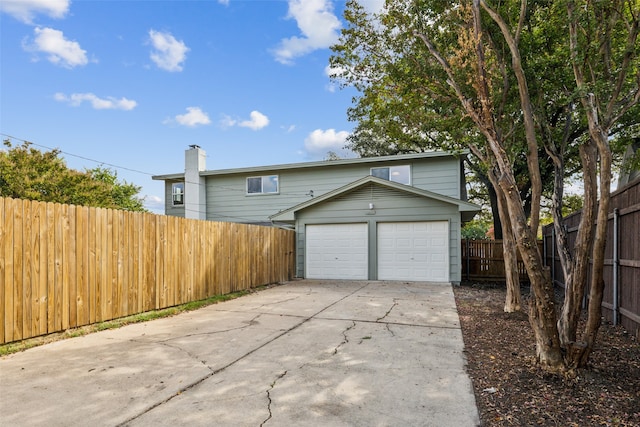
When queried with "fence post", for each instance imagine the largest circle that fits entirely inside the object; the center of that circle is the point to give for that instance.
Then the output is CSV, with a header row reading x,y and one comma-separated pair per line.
x,y
467,251
616,261
553,256
544,249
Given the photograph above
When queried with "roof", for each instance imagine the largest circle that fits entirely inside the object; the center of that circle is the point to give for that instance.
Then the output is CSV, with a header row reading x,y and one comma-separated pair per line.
x,y
318,164
289,214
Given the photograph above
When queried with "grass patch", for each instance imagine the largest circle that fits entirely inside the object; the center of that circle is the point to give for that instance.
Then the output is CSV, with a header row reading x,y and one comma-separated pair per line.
x,y
15,347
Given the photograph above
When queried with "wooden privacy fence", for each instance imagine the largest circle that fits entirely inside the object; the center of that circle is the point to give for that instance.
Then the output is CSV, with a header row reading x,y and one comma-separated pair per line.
x,y
484,260
63,266
621,301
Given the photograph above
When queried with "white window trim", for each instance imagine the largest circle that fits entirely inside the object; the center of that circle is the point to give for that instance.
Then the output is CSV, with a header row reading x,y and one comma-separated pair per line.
x,y
389,167
174,193
262,178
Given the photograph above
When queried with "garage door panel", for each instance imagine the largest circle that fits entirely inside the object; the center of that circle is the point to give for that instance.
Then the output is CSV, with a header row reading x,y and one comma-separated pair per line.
x,y
337,251
416,251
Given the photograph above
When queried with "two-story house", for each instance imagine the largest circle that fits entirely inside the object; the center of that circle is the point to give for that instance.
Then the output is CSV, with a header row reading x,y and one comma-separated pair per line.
x,y
378,218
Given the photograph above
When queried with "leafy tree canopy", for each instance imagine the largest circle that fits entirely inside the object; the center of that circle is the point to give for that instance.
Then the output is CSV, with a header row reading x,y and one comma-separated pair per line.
x,y
28,173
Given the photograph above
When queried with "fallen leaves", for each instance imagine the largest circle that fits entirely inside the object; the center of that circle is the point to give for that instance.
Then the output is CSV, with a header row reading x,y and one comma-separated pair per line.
x,y
500,354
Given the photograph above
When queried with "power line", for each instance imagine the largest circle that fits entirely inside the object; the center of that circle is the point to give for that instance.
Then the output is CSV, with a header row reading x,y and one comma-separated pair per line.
x,y
78,156
133,170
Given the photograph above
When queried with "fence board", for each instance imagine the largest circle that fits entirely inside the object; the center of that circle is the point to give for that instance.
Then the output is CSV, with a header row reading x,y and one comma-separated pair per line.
x,y
82,254
151,281
66,266
3,237
627,203
18,292
91,265
71,271
484,260
27,273
51,269
7,278
42,272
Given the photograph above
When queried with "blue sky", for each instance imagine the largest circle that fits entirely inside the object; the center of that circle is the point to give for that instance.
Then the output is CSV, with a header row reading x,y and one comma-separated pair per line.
x,y
132,83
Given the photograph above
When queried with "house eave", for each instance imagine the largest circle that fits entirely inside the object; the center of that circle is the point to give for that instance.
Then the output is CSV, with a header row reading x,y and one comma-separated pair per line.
x,y
464,207
318,164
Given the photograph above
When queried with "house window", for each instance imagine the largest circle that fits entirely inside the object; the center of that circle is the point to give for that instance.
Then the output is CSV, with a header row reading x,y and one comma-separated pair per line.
x,y
177,193
399,174
263,184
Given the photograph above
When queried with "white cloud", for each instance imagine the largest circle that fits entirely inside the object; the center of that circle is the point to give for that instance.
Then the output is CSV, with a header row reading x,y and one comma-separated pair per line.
x,y
60,51
154,203
256,121
224,2
192,118
25,10
109,103
335,73
372,6
169,53
319,142
318,25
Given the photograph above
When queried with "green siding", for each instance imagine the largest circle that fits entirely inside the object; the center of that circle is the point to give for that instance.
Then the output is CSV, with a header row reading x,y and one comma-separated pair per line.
x,y
227,199
169,208
390,206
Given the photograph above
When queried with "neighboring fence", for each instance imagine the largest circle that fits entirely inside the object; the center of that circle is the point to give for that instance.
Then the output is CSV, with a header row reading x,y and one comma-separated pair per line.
x,y
64,266
483,260
621,302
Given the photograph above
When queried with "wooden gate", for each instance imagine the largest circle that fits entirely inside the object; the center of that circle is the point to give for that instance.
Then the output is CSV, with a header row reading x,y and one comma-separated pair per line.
x,y
484,260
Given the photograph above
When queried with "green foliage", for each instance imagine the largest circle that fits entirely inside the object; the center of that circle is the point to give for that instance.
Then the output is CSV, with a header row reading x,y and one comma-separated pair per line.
x,y
406,103
475,230
28,173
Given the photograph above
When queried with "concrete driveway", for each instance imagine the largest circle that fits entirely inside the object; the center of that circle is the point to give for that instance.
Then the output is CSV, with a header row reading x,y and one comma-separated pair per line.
x,y
306,353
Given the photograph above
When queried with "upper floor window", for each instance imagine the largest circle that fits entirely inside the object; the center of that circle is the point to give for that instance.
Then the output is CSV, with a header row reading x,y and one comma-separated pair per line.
x,y
399,174
263,184
177,193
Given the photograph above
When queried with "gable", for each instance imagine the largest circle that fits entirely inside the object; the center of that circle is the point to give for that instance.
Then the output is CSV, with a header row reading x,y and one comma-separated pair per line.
x,y
375,200
359,194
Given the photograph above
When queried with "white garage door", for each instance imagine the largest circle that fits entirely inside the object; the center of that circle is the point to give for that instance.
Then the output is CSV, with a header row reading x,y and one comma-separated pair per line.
x,y
337,251
417,251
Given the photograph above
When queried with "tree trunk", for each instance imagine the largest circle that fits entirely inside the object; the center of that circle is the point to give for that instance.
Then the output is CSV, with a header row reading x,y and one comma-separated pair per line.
x,y
596,290
542,312
576,278
542,308
513,299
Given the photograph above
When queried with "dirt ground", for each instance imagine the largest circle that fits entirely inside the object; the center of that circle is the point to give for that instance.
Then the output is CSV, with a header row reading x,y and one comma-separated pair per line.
x,y
511,391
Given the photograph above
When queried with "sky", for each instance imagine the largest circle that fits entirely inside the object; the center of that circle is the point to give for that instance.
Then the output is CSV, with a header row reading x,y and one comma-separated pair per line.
x,y
130,84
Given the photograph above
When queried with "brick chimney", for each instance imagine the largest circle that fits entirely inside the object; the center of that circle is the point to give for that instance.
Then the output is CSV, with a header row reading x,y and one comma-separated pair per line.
x,y
195,195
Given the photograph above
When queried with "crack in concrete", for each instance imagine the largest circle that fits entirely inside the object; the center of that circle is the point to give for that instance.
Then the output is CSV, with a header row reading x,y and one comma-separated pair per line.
x,y
280,302
269,400
187,352
248,324
167,342
395,302
346,339
215,372
388,325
